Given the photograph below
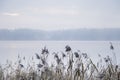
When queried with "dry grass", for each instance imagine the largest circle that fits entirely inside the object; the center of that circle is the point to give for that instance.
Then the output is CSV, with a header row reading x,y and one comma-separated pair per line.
x,y
79,67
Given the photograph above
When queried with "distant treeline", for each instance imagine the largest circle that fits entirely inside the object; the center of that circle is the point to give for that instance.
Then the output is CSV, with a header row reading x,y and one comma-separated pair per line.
x,y
75,34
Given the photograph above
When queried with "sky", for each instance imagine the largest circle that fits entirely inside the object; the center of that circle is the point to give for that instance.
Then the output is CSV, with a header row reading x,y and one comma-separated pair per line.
x,y
59,14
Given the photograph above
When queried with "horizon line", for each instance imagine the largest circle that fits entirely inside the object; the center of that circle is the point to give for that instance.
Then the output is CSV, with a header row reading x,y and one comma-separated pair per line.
x,y
55,29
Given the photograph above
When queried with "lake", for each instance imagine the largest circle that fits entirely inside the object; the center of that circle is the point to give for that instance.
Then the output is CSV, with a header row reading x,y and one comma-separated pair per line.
x,y
9,50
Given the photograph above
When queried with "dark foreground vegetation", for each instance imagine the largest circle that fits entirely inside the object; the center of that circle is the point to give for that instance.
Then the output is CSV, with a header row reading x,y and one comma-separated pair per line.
x,y
79,67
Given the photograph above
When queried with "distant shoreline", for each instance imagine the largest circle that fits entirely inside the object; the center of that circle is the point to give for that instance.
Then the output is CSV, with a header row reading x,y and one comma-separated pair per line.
x,y
110,34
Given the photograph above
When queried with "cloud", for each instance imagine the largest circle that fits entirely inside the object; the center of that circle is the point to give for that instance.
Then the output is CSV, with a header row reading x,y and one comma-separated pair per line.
x,y
61,11
55,11
11,14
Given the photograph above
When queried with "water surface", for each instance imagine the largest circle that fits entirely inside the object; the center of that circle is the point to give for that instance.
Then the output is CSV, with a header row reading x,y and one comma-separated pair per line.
x,y
9,50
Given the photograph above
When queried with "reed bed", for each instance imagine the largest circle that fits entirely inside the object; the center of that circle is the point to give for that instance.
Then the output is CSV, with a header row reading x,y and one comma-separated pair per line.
x,y
79,66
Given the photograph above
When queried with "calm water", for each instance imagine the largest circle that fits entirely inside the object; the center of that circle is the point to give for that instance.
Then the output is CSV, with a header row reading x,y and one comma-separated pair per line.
x,y
9,50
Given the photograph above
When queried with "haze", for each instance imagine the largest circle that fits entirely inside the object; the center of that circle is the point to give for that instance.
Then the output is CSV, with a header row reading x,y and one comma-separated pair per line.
x,y
59,14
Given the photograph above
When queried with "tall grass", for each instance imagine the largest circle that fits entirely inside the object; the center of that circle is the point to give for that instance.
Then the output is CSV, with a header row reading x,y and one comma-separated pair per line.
x,y
79,67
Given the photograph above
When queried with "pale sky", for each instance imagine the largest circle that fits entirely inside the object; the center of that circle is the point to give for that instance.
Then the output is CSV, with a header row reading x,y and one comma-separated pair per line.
x,y
59,14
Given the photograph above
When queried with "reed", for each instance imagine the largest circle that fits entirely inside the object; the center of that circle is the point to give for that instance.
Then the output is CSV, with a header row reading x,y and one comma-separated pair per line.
x,y
79,67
